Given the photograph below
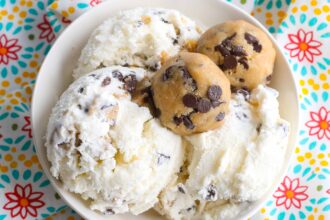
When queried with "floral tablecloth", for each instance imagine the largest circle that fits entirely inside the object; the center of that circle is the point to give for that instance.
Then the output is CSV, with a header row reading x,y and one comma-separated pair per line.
x,y
27,31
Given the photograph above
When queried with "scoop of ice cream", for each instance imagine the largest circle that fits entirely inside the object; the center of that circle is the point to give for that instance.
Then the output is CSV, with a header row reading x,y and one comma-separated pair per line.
x,y
142,37
107,148
232,165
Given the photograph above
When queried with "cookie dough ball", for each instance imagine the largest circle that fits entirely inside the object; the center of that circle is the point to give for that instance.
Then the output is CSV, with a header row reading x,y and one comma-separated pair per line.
x,y
191,94
242,51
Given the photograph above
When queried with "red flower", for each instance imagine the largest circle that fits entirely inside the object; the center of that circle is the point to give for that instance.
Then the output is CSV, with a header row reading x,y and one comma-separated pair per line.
x,y
46,30
302,45
290,193
328,191
319,124
95,2
27,126
8,49
23,201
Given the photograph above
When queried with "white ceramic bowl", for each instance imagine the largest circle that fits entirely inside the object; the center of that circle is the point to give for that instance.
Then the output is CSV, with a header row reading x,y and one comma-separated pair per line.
x,y
55,76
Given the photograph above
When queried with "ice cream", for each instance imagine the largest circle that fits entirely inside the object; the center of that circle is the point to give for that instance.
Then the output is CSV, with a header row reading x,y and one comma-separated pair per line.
x,y
233,165
141,37
107,148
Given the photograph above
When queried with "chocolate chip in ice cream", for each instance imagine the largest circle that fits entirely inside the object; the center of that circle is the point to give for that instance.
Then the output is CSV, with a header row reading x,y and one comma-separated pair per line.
x,y
106,81
81,90
181,189
211,193
130,83
162,158
118,75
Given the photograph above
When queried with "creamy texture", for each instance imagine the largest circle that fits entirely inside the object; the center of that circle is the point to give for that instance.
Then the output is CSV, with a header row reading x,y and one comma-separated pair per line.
x,y
232,165
107,148
142,37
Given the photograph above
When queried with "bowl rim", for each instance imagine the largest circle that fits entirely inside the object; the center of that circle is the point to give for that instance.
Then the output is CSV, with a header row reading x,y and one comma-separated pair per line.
x,y
228,4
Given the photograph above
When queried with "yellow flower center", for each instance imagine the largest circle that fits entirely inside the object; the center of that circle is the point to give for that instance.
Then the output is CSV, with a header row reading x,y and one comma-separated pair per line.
x,y
24,202
324,125
289,194
3,51
303,46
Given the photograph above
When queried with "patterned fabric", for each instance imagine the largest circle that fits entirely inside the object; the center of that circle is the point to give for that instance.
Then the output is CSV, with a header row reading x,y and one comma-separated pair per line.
x,y
29,27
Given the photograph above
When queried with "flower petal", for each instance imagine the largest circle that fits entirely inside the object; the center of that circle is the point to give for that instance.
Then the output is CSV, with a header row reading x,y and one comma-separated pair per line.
x,y
327,133
294,38
287,182
11,42
308,37
301,196
314,43
3,40
301,189
296,203
19,190
314,131
309,56
323,113
301,35
23,212
321,134
5,59
294,184
312,124
35,195
12,196
16,211
314,51
27,190
279,194
280,201
10,205
37,204
12,56
301,56
287,203
14,48
291,46
295,52
315,116
32,211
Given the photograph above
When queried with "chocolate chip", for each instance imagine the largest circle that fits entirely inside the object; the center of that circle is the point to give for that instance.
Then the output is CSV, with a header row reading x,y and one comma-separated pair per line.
x,y
214,92
269,78
165,21
92,75
86,110
181,190
190,100
250,39
130,83
227,41
244,92
78,141
222,49
118,75
258,127
106,81
109,211
257,47
162,158
187,122
79,106
241,80
238,51
81,90
149,98
168,73
229,63
243,61
211,193
220,116
191,208
126,65
177,120
204,105
175,41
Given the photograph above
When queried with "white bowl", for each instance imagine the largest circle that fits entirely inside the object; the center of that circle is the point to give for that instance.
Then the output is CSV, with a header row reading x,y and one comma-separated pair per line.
x,y
55,76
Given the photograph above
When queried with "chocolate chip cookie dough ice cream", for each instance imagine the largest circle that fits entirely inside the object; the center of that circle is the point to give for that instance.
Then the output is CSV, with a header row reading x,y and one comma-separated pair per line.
x,y
232,165
108,149
141,37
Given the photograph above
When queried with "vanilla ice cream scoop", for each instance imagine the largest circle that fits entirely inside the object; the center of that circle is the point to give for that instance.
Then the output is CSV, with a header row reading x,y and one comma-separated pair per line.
x,y
141,37
108,149
232,165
